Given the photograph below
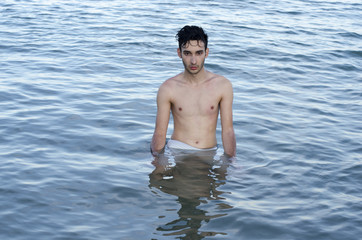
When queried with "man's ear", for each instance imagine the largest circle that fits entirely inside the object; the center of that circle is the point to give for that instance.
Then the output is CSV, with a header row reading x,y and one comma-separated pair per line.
x,y
179,52
207,52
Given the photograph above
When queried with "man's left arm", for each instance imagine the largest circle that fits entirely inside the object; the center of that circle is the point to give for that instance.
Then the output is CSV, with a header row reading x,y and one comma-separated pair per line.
x,y
226,116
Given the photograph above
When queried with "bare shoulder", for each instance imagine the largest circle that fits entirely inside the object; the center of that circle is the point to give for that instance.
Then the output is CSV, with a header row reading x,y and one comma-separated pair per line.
x,y
167,88
222,82
170,83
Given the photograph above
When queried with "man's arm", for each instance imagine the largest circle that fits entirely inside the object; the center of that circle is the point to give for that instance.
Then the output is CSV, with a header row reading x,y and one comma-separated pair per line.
x,y
162,119
226,116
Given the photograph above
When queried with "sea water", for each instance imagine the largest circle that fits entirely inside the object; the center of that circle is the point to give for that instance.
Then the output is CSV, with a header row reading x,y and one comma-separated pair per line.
x,y
78,84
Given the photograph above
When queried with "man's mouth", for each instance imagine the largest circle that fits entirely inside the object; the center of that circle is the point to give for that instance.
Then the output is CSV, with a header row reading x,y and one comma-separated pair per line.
x,y
193,67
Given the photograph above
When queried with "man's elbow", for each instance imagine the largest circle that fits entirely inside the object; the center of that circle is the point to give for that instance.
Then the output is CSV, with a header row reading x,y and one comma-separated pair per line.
x,y
228,133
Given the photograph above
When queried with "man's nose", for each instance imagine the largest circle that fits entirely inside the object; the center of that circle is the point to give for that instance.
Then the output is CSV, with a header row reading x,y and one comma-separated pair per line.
x,y
193,60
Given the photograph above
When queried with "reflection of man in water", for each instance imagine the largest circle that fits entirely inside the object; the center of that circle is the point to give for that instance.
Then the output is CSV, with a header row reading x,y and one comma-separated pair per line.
x,y
194,97
194,180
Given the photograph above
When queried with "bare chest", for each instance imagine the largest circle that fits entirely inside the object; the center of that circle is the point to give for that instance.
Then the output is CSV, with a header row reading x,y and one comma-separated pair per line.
x,y
199,102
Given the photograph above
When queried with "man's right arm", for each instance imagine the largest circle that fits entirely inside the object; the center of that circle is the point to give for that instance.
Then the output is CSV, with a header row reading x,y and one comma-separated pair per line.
x,y
162,119
226,115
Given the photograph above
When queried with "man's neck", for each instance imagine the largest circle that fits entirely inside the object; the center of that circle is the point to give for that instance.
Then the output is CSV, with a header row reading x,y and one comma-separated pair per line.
x,y
195,78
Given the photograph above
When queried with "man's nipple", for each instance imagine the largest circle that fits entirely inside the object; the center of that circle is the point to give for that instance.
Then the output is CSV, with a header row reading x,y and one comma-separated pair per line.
x,y
180,108
212,107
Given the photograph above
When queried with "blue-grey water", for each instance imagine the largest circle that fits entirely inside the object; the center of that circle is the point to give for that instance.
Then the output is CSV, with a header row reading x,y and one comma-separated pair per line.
x,y
78,82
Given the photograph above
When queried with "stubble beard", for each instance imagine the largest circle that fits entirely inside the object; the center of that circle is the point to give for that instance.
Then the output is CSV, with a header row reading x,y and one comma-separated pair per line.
x,y
200,67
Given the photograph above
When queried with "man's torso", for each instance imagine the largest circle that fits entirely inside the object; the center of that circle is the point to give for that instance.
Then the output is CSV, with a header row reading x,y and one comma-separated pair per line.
x,y
195,109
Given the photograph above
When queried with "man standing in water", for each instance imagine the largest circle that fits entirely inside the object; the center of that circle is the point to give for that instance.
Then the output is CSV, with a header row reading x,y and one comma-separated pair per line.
x,y
195,98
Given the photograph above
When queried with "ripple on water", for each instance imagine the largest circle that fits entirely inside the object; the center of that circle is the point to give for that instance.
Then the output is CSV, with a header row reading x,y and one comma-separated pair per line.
x,y
78,103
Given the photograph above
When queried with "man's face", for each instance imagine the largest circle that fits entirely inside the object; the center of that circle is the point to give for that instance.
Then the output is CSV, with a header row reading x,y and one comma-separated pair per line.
x,y
193,56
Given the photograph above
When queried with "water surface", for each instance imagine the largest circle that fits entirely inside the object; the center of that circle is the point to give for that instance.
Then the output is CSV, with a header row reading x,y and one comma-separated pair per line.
x,y
78,82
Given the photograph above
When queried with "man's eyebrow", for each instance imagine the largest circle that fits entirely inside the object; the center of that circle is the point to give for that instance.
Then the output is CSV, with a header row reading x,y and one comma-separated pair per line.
x,y
187,51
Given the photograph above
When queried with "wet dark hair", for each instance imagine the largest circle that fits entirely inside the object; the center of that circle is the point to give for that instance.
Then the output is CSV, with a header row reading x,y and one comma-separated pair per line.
x,y
188,33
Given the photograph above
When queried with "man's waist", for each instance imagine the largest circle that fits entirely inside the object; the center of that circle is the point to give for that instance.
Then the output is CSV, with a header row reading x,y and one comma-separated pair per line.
x,y
177,144
200,143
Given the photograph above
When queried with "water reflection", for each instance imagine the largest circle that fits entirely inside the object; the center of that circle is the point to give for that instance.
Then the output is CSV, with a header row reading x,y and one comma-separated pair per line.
x,y
194,179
